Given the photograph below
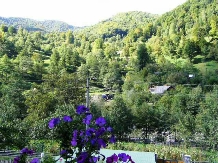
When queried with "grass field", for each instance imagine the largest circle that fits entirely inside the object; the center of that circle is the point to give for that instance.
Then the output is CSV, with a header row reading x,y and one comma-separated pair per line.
x,y
204,66
207,67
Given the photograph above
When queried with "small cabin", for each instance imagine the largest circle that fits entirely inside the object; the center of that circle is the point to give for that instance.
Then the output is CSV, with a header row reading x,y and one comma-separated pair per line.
x,y
160,89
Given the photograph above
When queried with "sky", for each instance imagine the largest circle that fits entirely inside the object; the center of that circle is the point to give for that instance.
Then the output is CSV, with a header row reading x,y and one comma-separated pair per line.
x,y
82,12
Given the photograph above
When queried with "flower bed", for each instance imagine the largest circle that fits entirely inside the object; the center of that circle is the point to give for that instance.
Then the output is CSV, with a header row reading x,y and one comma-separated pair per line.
x,y
81,137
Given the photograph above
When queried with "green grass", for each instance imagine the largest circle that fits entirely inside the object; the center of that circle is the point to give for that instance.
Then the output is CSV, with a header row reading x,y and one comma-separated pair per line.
x,y
96,90
207,67
179,61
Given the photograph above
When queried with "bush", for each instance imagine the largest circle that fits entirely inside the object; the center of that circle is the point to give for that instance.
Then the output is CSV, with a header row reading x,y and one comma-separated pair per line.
x,y
163,151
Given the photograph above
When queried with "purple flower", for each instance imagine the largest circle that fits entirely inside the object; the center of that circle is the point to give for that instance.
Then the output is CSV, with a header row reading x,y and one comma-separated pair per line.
x,y
101,143
16,159
109,129
84,140
81,133
26,151
115,158
30,152
82,157
90,131
123,156
74,142
100,121
35,160
81,109
75,132
112,158
93,159
67,118
100,131
93,141
112,139
63,152
87,119
53,122
109,160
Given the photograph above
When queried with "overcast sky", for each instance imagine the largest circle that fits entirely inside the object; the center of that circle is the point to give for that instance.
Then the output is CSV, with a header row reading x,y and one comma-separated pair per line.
x,y
81,12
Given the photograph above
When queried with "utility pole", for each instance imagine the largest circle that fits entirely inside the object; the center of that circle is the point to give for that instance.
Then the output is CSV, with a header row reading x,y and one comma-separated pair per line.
x,y
87,94
87,91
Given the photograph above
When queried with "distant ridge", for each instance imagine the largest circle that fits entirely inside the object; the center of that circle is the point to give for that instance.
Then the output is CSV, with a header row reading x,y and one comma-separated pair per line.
x,y
120,24
34,25
126,20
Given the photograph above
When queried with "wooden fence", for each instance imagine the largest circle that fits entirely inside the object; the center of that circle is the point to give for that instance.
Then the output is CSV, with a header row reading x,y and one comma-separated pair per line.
x,y
7,156
169,161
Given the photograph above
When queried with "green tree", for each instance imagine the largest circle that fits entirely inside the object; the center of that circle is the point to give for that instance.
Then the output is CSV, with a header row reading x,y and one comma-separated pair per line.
x,y
57,89
13,130
69,37
142,56
38,65
120,114
214,26
113,78
6,68
13,134
93,65
54,62
185,108
98,44
4,28
207,120
145,115
12,30
190,49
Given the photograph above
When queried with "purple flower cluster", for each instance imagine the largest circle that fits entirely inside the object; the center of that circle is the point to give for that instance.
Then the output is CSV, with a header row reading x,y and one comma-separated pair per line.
x,y
16,159
67,118
85,142
53,122
92,136
81,109
23,156
100,121
121,157
88,141
87,119
26,151
82,157
35,160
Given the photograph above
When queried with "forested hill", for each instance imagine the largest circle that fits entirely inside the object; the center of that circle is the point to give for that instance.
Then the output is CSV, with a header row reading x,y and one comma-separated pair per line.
x,y
187,31
120,24
33,25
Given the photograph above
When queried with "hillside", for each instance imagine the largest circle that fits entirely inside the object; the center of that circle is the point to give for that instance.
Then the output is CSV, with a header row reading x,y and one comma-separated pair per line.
x,y
120,24
33,25
189,30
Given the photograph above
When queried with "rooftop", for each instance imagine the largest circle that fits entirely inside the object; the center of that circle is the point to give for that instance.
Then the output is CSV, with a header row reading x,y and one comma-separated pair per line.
x,y
159,89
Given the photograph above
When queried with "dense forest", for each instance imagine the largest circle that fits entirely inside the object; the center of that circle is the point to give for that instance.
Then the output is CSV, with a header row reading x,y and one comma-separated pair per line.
x,y
33,25
43,74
